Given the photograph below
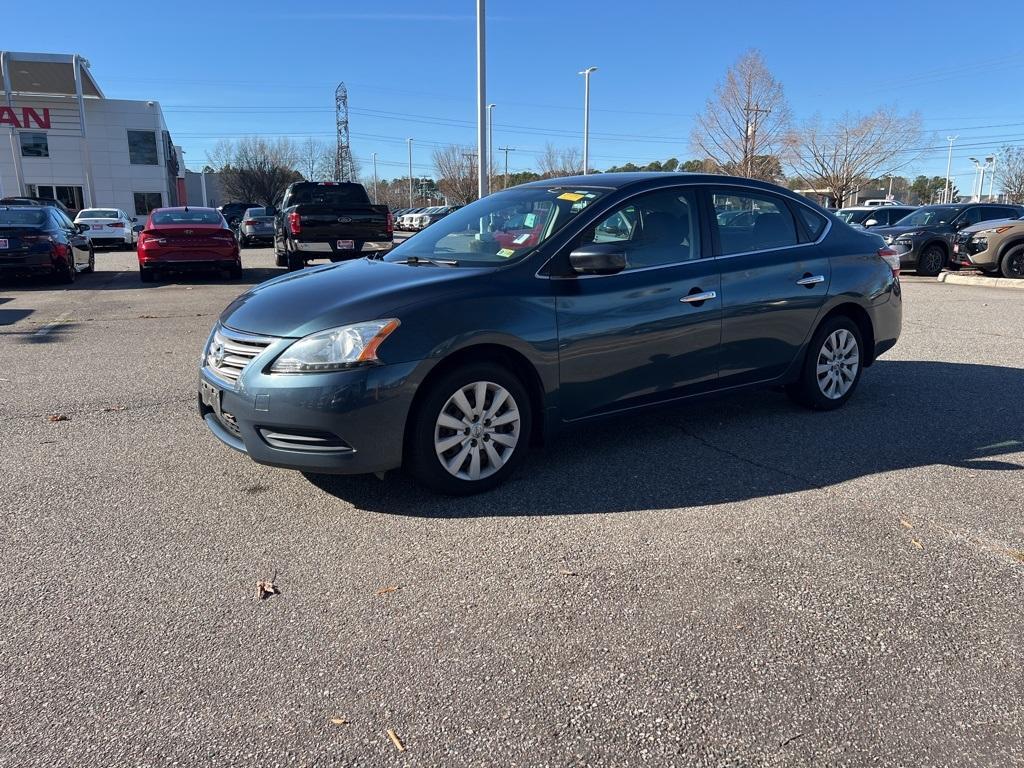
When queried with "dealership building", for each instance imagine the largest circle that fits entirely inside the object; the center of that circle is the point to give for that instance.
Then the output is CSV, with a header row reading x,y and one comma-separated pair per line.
x,y
61,138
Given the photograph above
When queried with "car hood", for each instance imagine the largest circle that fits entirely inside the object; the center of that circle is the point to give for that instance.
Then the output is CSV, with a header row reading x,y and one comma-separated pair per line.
x,y
299,303
993,224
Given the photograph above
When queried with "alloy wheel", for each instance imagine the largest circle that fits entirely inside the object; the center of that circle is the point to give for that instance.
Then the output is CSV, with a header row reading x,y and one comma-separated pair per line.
x,y
477,430
838,362
1015,264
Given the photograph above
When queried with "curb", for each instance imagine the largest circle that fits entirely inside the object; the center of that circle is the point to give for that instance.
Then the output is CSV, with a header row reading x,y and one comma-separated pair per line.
x,y
988,282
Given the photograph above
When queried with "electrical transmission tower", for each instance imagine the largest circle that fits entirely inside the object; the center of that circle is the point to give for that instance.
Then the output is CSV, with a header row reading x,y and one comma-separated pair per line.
x,y
344,168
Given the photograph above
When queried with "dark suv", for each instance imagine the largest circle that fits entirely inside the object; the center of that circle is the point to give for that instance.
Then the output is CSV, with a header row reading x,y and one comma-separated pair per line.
x,y
925,237
544,306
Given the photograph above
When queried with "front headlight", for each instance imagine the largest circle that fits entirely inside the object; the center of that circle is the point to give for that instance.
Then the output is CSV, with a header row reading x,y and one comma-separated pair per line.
x,y
915,233
335,348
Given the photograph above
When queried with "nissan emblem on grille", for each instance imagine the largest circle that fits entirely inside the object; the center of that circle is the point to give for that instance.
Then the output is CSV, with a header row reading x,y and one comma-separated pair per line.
x,y
344,219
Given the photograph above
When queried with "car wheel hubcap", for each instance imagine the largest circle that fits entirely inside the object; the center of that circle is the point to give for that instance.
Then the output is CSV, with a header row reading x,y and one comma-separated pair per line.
x,y
1017,265
838,362
477,431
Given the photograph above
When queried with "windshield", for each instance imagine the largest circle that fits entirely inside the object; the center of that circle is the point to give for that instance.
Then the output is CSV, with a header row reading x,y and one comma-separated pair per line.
x,y
22,217
186,217
500,227
930,216
98,213
853,215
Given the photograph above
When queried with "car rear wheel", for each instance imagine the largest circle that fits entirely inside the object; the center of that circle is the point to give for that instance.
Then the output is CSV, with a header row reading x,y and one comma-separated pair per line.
x,y
65,274
471,430
295,263
146,274
91,266
236,271
931,260
832,367
1013,263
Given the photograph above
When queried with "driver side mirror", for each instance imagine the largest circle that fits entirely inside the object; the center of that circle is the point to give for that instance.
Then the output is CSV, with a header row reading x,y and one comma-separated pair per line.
x,y
871,223
82,228
598,259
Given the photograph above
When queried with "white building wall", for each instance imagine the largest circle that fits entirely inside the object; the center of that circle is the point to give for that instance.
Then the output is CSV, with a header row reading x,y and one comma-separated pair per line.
x,y
108,121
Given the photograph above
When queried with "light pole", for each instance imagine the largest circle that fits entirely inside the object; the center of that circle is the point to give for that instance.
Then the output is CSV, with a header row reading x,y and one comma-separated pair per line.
x,y
889,196
974,186
410,171
490,141
992,178
481,103
989,162
949,160
586,116
375,178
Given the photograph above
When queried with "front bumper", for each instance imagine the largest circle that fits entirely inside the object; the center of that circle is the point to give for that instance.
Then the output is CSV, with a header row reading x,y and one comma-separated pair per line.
x,y
347,422
972,252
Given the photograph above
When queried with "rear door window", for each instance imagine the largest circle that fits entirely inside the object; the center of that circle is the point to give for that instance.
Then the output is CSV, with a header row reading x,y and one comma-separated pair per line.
x,y
752,221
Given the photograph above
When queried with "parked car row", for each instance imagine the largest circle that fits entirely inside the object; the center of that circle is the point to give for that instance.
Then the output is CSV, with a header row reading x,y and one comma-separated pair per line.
x,y
415,219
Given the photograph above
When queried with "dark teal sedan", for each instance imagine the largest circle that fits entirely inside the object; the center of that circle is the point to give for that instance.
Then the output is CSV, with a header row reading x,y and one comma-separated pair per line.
x,y
545,305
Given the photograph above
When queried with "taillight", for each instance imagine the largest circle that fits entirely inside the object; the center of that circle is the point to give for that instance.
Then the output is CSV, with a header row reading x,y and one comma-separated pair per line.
x,y
150,241
117,225
891,257
249,223
295,223
391,223
60,250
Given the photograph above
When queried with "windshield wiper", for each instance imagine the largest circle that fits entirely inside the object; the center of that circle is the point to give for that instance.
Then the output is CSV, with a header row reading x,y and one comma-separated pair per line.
x,y
435,262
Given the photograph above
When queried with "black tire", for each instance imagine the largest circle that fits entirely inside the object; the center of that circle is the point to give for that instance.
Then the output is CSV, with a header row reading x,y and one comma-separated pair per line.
x,y
146,274
806,390
1012,265
421,458
281,259
91,266
235,273
931,260
65,275
295,263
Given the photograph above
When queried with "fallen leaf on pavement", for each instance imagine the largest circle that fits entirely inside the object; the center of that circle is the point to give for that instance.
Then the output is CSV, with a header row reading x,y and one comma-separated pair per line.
x,y
917,543
339,721
112,408
569,573
395,740
1016,554
387,590
147,317
59,417
906,523
265,589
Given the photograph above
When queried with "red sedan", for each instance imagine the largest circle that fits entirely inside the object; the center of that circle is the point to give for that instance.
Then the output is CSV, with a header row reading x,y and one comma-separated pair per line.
x,y
177,239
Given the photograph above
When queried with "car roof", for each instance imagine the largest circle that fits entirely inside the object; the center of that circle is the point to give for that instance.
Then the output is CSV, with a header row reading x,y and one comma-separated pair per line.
x,y
185,208
641,179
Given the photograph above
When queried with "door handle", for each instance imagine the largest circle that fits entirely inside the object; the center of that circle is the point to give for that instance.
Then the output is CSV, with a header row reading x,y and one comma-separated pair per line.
x,y
809,280
699,298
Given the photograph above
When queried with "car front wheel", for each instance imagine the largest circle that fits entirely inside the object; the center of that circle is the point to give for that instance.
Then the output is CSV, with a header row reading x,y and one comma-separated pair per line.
x,y
931,261
832,367
471,430
1013,263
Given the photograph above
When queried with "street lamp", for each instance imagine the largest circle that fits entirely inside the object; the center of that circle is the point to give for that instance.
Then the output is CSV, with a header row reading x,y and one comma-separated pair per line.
x,y
410,171
949,160
586,116
975,195
490,141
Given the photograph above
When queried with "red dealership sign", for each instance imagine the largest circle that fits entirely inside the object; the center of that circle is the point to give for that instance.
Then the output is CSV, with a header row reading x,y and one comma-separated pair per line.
x,y
9,116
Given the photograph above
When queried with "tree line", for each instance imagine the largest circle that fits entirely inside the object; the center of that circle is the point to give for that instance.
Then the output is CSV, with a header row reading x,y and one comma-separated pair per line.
x,y
746,128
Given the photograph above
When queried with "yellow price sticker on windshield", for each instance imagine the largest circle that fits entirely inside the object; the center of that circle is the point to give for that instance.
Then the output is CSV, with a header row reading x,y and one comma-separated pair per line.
x,y
573,196
506,252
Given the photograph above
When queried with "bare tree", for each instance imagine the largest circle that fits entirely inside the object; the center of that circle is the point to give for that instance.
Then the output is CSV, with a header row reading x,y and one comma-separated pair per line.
x,y
853,149
255,169
744,125
554,162
315,159
1010,173
456,173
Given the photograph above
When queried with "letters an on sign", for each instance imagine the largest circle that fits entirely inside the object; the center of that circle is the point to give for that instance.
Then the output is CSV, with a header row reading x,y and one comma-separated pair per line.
x,y
9,116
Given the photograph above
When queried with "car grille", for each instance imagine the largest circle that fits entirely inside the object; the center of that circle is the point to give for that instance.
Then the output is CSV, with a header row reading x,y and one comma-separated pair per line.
x,y
230,351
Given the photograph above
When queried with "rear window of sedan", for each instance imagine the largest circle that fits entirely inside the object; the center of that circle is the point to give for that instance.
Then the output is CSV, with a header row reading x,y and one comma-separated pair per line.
x,y
98,213
23,217
186,217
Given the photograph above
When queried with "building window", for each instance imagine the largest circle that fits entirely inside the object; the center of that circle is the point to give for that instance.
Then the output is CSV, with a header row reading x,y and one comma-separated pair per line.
x,y
146,202
142,148
34,145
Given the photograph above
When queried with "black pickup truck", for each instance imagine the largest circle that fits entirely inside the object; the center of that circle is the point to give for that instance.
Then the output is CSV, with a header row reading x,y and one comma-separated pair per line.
x,y
329,219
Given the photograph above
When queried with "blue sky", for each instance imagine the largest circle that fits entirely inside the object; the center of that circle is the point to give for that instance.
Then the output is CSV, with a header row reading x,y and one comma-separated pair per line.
x,y
233,69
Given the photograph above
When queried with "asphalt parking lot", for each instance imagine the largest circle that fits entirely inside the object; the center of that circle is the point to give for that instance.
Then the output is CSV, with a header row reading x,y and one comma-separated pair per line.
x,y
741,583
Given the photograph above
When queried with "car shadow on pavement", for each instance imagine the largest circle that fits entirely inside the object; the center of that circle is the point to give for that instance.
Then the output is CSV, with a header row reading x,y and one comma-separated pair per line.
x,y
906,414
